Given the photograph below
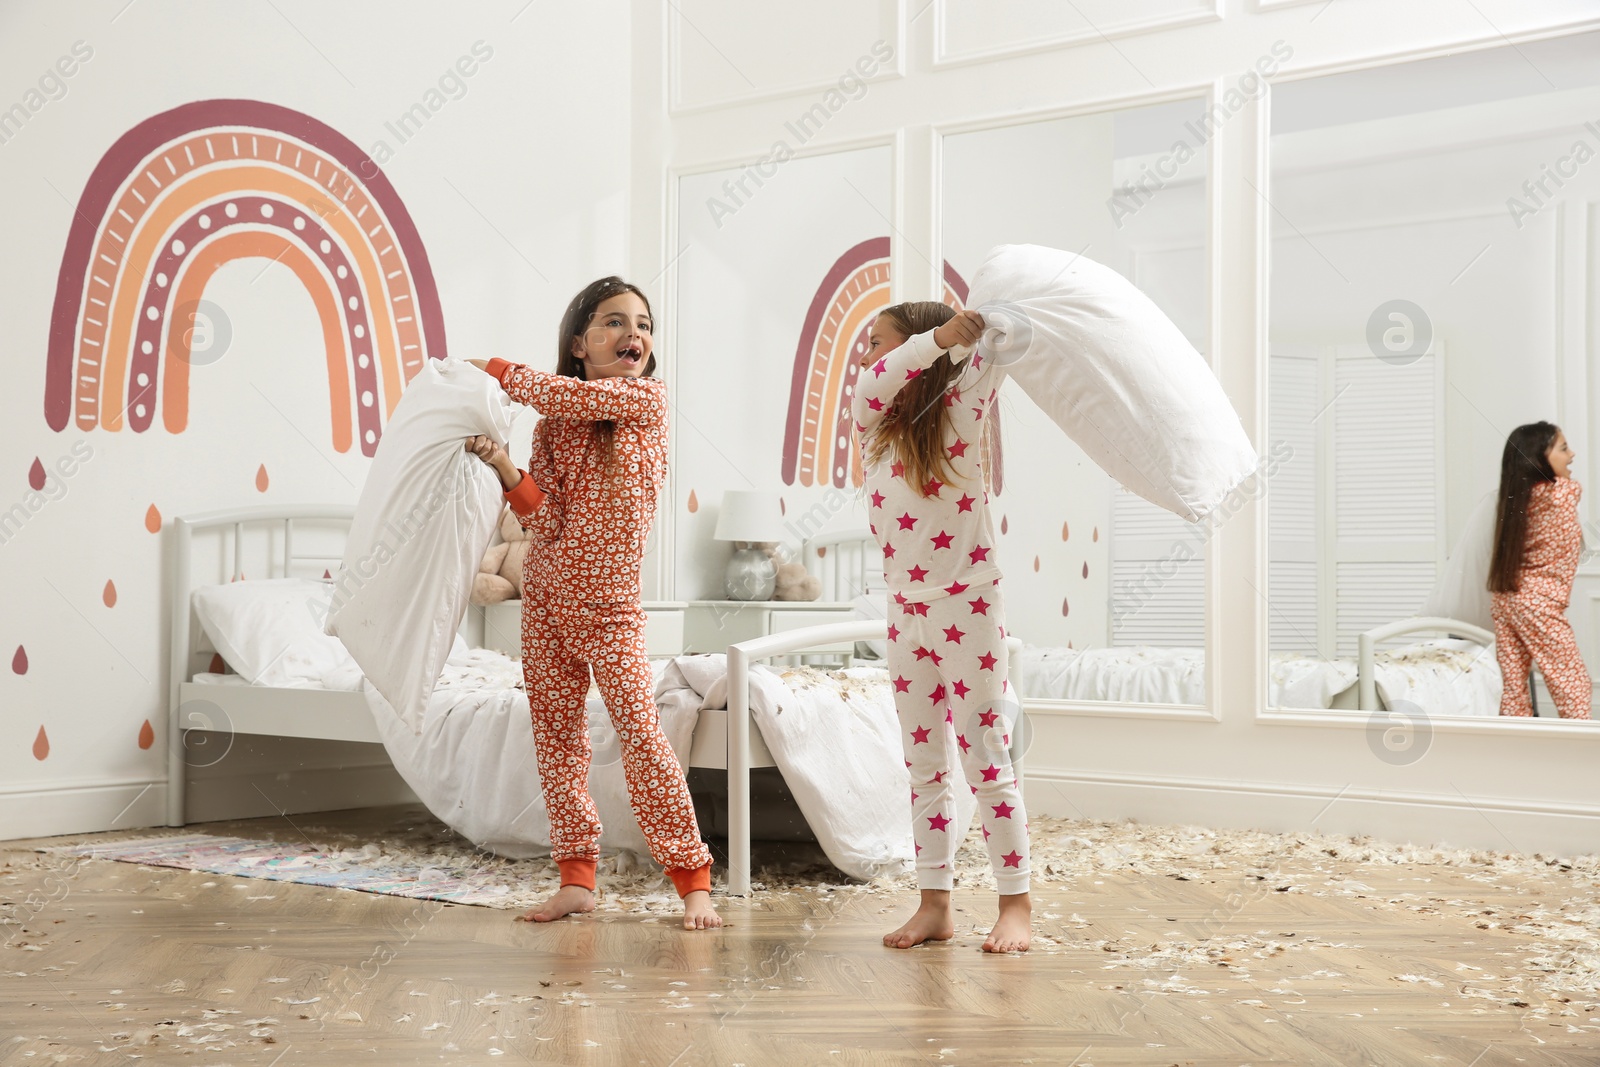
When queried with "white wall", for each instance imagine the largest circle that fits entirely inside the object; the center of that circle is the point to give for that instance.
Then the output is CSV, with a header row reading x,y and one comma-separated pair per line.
x,y
1234,762
519,188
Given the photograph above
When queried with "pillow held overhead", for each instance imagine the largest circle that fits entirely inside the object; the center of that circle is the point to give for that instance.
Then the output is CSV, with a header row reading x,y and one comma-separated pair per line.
x,y
1114,373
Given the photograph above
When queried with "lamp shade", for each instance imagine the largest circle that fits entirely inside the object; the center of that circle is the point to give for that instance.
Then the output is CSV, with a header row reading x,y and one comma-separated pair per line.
x,y
750,515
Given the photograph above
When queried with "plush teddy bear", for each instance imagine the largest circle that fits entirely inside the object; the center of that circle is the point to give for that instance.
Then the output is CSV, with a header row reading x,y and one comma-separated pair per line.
x,y
792,581
499,576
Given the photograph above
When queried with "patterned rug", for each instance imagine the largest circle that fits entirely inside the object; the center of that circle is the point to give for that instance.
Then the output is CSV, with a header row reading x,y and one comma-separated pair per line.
x,y
459,876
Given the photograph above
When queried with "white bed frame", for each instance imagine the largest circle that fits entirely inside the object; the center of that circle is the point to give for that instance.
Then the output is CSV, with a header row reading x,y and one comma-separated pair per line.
x,y
1367,647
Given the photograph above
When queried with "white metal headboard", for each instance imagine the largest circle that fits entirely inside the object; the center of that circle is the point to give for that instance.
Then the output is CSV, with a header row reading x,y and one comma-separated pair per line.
x,y
849,563
263,518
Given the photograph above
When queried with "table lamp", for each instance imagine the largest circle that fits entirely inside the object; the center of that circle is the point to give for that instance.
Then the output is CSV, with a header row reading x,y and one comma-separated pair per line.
x,y
748,518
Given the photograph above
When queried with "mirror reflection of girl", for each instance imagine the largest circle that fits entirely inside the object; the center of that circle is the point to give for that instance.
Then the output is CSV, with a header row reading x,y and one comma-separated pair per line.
x,y
600,458
918,413
1537,541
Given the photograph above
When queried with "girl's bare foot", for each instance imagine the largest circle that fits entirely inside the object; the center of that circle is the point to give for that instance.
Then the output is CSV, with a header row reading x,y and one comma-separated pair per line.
x,y
698,914
1014,929
568,900
933,921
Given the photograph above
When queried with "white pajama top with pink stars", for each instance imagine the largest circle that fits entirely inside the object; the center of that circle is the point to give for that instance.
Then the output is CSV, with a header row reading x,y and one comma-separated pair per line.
x,y
931,541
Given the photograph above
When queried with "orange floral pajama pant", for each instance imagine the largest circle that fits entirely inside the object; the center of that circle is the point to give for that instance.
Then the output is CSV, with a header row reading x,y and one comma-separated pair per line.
x,y
562,641
1530,628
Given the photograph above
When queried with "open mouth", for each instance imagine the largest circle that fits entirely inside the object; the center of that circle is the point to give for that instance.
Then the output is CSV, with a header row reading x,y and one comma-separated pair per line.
x,y
630,355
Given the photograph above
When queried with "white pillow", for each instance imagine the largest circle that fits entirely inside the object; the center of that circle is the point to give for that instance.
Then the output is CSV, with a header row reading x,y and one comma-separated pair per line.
x,y
1112,371
270,631
1462,591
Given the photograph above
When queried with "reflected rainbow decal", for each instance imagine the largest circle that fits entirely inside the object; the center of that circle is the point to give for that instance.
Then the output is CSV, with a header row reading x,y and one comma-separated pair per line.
x,y
819,445
191,189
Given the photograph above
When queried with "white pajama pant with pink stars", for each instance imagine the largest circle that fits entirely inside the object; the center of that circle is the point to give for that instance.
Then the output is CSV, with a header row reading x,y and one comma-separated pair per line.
x,y
947,659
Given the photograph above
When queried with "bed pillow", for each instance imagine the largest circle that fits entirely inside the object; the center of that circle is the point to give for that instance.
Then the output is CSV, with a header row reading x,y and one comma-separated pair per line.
x,y
1114,373
270,631
1462,591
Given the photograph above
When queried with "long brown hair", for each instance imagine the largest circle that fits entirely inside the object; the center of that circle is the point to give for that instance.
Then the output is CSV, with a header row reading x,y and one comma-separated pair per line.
x,y
573,324
1524,464
915,427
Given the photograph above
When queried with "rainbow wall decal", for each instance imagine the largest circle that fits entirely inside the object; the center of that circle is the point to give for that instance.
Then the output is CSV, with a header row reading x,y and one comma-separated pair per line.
x,y
191,189
818,446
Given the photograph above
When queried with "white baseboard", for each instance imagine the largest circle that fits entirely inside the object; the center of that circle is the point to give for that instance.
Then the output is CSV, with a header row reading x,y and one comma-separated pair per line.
x,y
127,805
1456,821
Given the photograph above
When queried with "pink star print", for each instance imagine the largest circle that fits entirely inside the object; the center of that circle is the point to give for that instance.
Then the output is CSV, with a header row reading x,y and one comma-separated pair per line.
x,y
922,653
917,574
953,635
1002,810
880,368
906,520
988,718
916,609
986,662
956,450
888,552
986,833
914,372
902,685
980,606
979,554
937,822
955,588
932,488
938,693
965,503
875,404
1012,859
936,779
961,739
961,689
977,360
894,632
897,469
877,499
919,736
941,540
991,773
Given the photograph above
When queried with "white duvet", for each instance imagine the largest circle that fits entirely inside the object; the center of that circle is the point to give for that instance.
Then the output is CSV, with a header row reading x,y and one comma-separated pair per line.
x,y
1443,677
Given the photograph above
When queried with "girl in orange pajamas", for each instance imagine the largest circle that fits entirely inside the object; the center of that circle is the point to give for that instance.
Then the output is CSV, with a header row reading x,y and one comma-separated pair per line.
x,y
1537,541
599,460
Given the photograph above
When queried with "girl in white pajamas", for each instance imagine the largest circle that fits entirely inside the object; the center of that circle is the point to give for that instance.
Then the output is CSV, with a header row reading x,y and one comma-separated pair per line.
x,y
919,419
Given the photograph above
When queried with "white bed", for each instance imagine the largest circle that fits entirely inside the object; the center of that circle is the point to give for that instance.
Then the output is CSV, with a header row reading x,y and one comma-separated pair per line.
x,y
1454,673
260,566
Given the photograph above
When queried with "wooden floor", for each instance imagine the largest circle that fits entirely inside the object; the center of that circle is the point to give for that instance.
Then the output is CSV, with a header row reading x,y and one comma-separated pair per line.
x,y
113,961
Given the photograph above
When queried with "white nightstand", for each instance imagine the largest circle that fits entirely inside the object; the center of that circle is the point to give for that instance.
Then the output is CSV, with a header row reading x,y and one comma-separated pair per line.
x,y
713,625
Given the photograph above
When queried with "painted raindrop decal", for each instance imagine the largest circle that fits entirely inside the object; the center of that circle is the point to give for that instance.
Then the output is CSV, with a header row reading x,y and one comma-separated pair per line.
x,y
694,502
1097,533
1036,564
19,662
325,574
822,550
783,506
41,745
1086,568
217,666
147,735
109,594
1065,608
1065,533
152,519
1004,525
36,475
261,478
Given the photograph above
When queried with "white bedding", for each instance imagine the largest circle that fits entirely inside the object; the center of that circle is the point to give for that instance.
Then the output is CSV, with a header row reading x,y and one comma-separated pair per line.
x,y
1443,677
836,739
834,735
